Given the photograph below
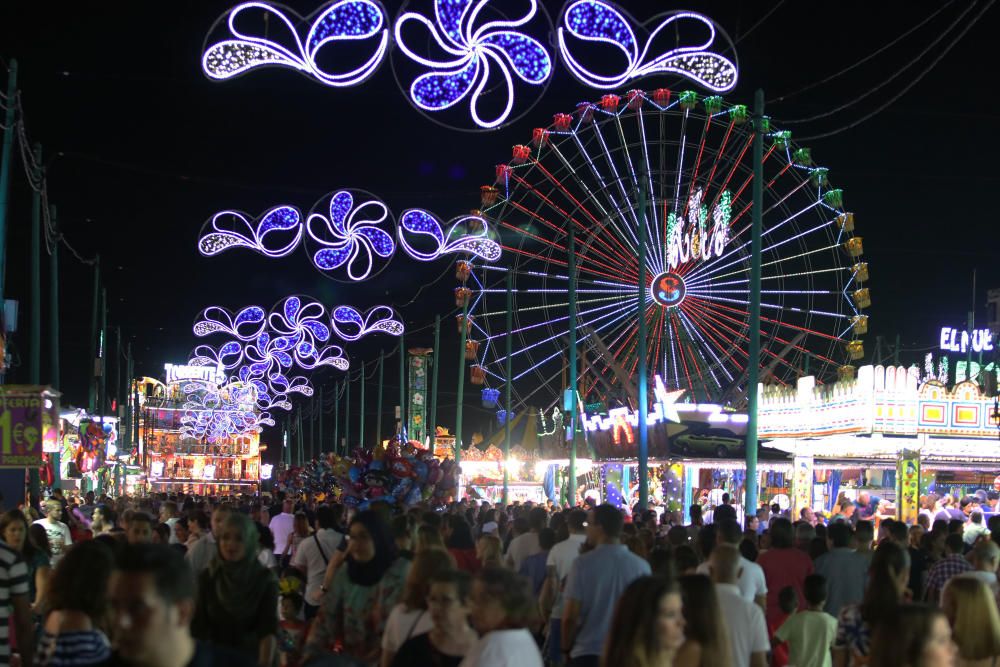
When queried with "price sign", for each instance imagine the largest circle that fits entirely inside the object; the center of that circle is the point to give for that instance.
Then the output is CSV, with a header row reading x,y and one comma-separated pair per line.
x,y
28,416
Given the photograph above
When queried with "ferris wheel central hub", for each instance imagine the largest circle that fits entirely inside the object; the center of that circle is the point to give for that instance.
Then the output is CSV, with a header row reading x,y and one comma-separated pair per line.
x,y
668,289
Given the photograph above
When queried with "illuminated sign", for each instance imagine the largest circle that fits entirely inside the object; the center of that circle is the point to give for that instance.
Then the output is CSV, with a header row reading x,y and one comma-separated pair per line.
x,y
178,372
668,289
955,340
696,240
265,470
157,469
209,471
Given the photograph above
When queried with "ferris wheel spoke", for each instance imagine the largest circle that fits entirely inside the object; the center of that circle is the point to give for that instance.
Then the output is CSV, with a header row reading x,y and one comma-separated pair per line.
x,y
778,276
657,243
652,258
718,159
623,208
616,258
707,340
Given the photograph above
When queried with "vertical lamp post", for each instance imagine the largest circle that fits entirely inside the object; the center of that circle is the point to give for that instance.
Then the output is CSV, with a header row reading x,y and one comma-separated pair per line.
x,y
753,364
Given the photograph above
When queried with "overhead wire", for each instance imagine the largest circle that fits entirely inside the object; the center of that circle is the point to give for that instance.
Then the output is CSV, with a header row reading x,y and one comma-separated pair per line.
x,y
892,100
858,98
759,22
871,55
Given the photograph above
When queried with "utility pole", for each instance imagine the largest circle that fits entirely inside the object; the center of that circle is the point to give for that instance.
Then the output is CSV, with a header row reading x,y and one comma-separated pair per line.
x,y
507,387
319,440
5,155
571,243
463,332
361,413
55,380
336,416
94,353
35,330
641,351
402,384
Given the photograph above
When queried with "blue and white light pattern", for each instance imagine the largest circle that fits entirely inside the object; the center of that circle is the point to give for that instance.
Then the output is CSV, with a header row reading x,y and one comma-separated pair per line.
x,y
598,21
416,225
476,49
346,21
355,239
351,237
253,234
351,325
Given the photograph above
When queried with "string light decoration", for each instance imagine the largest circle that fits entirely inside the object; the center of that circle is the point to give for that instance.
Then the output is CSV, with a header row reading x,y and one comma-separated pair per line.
x,y
691,155
232,229
465,63
481,55
598,21
351,325
346,22
352,236
417,227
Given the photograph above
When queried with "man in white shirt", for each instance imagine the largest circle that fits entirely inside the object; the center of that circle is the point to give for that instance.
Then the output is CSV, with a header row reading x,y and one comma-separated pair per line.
x,y
313,555
169,516
282,525
201,551
526,544
750,578
748,638
58,533
557,565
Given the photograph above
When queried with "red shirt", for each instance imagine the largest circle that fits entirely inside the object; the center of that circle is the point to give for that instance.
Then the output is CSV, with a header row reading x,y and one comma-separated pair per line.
x,y
783,567
466,560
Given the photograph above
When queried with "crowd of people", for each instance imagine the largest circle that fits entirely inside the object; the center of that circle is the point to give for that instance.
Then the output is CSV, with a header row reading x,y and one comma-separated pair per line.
x,y
175,580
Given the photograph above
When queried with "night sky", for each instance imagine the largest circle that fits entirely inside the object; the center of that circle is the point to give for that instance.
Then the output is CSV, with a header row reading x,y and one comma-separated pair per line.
x,y
144,148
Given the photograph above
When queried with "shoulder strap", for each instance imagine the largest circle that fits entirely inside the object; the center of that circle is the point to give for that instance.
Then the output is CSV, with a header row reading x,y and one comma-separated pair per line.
x,y
414,625
319,545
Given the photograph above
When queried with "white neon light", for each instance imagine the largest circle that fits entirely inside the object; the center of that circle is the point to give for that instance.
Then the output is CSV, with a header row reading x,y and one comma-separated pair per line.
x,y
956,340
695,241
178,372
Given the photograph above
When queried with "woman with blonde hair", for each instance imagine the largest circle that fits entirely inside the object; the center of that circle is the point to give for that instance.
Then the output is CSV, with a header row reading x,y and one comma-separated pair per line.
x,y
648,625
975,623
429,537
488,550
706,641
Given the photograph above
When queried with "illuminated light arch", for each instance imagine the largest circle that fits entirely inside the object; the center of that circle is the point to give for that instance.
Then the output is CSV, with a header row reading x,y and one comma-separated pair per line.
x,y
344,21
241,232
603,22
350,236
468,51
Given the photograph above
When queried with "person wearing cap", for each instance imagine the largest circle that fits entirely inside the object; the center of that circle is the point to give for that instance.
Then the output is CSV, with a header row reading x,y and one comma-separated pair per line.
x,y
490,528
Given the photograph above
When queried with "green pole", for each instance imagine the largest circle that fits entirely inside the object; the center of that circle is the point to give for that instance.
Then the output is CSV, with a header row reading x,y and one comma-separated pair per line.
x,y
5,154
460,400
319,440
312,427
402,383
300,454
54,378
641,351
753,369
35,330
361,412
571,243
93,353
432,413
118,395
347,419
378,404
506,387
337,390
287,454
56,381
103,384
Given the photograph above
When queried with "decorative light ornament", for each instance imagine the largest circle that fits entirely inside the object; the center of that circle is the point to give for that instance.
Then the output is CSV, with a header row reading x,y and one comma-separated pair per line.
x,y
344,22
247,325
598,21
418,225
252,234
351,236
476,49
351,325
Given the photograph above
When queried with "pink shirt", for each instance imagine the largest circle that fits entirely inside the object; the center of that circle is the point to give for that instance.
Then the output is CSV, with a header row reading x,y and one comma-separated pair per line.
x,y
784,567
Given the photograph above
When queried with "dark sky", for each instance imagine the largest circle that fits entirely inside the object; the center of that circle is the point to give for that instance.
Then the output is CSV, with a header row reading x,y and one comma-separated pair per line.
x,y
148,149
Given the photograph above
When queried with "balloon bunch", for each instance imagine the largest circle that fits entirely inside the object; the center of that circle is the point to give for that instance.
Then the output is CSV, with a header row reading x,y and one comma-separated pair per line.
x,y
393,475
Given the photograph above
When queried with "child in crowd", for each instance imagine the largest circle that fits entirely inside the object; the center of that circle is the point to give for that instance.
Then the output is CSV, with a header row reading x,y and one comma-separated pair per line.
x,y
291,630
809,633
788,602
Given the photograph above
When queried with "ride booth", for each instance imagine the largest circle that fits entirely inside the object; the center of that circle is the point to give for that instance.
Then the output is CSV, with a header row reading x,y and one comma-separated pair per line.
x,y
887,431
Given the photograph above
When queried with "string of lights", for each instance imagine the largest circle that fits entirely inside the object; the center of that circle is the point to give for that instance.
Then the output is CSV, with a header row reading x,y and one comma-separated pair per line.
x,y
870,56
892,100
855,99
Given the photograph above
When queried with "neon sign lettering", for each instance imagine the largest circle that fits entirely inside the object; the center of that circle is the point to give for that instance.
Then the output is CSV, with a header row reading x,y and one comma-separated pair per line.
x,y
178,372
695,241
955,340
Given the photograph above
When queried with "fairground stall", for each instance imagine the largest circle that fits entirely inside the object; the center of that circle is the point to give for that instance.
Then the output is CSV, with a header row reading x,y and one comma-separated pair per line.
x,y
193,439
896,432
88,457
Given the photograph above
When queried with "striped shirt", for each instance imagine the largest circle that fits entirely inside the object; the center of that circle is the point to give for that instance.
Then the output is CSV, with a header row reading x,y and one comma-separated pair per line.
x,y
68,649
13,581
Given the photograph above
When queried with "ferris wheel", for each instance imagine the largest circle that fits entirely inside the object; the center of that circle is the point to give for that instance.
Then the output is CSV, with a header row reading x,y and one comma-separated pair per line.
x,y
689,157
